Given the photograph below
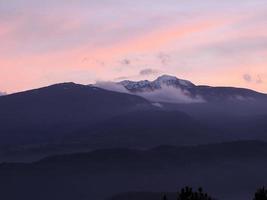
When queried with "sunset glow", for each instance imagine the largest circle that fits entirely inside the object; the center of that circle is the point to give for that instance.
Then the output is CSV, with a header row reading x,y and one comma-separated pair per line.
x,y
215,43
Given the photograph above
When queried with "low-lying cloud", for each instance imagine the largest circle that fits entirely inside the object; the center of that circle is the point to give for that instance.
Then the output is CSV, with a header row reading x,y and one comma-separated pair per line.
x,y
171,95
111,86
166,94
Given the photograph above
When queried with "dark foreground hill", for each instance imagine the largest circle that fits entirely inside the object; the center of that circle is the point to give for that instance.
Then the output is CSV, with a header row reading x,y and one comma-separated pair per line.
x,y
228,171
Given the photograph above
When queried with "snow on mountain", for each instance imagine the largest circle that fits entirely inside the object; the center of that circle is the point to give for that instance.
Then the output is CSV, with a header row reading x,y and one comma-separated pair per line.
x,y
164,89
171,89
172,80
165,80
171,94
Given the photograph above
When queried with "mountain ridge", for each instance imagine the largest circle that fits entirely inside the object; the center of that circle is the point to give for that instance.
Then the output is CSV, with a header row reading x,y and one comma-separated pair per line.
x,y
91,175
184,91
73,117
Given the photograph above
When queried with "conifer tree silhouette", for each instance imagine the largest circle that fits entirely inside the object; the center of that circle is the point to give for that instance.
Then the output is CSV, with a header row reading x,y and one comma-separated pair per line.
x,y
187,193
164,197
261,194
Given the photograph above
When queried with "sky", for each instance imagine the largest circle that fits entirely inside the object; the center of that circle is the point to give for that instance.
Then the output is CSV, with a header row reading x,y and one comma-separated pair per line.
x,y
211,42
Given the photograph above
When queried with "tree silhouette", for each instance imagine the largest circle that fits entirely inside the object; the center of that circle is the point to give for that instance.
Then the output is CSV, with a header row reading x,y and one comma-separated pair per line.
x,y
261,194
164,197
187,193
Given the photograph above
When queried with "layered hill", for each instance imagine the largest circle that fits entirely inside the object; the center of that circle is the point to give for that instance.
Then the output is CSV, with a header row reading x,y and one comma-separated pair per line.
x,y
226,170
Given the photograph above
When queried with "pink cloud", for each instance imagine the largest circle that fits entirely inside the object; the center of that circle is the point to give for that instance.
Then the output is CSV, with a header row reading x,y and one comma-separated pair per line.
x,y
44,46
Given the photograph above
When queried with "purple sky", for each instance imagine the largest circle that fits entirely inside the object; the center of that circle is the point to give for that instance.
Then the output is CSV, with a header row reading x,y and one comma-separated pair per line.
x,y
208,42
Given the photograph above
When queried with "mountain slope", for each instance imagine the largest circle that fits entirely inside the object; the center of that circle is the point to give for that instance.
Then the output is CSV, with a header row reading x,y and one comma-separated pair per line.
x,y
136,129
147,129
54,111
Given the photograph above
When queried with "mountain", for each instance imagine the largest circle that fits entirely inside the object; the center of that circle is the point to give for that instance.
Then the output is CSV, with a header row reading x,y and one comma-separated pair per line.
x,y
174,90
148,86
201,102
68,117
226,170
51,113
88,137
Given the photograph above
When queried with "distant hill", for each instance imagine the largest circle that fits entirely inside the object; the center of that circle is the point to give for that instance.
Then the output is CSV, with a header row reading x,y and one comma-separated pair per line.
x,y
227,171
164,156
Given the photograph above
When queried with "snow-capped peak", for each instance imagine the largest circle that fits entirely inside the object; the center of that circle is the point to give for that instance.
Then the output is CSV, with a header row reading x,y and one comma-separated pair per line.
x,y
164,80
131,85
170,80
